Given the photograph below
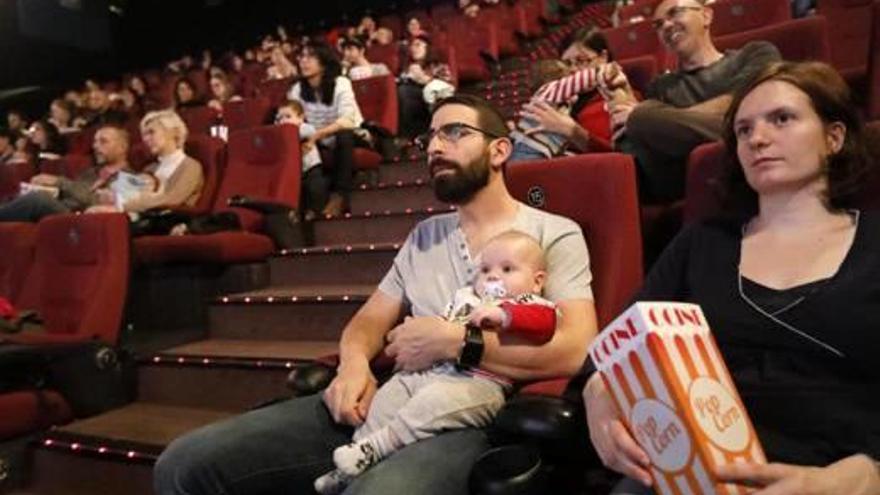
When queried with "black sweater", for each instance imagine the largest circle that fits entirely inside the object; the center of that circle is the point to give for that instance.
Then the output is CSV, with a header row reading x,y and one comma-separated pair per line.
x,y
809,406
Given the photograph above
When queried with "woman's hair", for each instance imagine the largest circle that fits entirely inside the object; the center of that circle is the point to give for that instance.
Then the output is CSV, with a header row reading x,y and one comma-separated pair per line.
x,y
332,69
188,82
170,121
831,99
67,107
229,89
54,143
590,37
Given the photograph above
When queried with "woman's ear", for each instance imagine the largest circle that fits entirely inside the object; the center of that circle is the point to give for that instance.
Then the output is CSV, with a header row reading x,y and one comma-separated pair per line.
x,y
835,136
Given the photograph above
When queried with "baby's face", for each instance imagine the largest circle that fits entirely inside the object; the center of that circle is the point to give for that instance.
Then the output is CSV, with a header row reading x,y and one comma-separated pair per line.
x,y
510,266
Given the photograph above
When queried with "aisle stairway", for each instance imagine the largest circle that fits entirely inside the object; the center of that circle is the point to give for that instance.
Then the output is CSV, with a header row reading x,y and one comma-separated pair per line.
x,y
254,339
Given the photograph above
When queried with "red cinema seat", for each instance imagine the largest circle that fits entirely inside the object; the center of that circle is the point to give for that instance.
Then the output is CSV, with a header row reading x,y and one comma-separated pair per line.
x,y
211,153
18,242
705,167
385,54
276,90
849,33
247,113
874,67
11,177
638,11
27,411
200,81
80,143
470,41
598,191
640,71
263,163
636,40
797,40
79,278
734,16
424,19
506,19
443,14
377,98
198,119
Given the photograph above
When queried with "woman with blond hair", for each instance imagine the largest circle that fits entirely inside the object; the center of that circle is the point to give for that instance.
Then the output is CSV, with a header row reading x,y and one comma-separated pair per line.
x,y
175,179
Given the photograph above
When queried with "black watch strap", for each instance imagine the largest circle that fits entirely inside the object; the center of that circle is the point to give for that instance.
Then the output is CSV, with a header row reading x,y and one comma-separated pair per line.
x,y
472,351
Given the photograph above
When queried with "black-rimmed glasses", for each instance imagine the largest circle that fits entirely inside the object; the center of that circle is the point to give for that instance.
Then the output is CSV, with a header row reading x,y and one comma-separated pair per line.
x,y
450,133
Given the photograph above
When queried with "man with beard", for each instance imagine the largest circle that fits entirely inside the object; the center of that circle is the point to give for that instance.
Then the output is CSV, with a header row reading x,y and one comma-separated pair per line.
x,y
111,156
685,107
284,447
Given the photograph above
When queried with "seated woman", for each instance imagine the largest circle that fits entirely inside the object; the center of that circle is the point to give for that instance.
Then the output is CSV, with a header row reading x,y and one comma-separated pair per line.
x,y
45,142
186,95
330,105
174,180
789,280
222,92
61,114
586,124
423,80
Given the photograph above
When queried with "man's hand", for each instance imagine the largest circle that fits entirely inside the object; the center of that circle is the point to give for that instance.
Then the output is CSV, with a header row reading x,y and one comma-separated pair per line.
x,y
419,342
854,475
101,209
349,395
489,317
47,180
105,197
620,112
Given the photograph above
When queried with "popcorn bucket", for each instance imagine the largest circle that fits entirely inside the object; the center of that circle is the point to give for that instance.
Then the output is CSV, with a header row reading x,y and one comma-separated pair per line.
x,y
668,379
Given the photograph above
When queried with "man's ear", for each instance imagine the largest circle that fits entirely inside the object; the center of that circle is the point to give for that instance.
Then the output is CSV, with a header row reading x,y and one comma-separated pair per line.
x,y
708,16
499,151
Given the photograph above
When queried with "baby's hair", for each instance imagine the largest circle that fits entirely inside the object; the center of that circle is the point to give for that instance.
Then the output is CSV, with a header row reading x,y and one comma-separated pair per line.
x,y
295,105
529,243
546,71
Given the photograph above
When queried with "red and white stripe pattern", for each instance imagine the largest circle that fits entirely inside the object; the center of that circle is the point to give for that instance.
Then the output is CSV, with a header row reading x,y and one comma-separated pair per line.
x,y
653,353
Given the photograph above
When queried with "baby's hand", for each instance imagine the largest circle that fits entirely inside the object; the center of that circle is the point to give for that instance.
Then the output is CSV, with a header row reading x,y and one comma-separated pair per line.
x,y
489,317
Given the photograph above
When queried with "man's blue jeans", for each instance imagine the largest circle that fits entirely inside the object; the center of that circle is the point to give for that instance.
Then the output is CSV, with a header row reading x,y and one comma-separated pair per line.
x,y
282,448
31,207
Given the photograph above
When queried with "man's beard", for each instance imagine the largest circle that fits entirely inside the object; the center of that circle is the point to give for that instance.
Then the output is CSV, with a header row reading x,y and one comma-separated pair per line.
x,y
463,183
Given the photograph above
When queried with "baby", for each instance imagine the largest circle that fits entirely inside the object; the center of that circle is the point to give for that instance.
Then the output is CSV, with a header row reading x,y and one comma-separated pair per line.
x,y
314,184
559,85
413,406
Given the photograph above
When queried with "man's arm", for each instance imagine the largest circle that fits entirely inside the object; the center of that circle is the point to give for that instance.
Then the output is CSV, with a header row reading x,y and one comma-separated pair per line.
x,y
713,106
349,395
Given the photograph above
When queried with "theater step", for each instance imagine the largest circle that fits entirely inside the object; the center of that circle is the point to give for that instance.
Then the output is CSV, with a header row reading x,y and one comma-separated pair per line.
x,y
308,312
225,375
383,226
393,196
112,453
343,264
403,171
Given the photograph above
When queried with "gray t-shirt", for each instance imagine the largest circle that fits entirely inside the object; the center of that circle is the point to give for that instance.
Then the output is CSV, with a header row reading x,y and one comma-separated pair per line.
x,y
687,88
435,261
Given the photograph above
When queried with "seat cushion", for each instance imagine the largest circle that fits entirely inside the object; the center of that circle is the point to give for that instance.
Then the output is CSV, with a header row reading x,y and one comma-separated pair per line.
x,y
222,247
366,159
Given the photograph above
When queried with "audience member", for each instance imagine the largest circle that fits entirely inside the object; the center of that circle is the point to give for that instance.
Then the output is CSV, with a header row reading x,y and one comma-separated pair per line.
x,y
185,94
366,28
683,108
774,276
415,91
61,113
414,29
413,406
383,36
99,110
110,149
330,105
16,121
222,92
7,146
356,63
282,67
177,178
46,140
290,443
314,184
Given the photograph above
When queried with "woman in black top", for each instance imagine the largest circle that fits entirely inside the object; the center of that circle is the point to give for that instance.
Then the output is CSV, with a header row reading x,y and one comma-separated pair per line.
x,y
790,282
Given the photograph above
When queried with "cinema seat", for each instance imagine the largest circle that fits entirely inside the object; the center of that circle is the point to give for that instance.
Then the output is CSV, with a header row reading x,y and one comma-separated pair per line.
x,y
636,40
734,16
263,163
275,90
873,104
849,32
385,54
797,39
377,99
79,278
199,119
249,112
18,242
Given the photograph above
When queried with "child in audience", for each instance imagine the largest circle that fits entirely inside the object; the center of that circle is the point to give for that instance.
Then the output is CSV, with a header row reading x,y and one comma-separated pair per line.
x,y
559,85
314,184
413,406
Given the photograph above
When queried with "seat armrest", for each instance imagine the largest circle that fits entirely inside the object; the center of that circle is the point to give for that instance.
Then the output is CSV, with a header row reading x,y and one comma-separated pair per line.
x,y
262,206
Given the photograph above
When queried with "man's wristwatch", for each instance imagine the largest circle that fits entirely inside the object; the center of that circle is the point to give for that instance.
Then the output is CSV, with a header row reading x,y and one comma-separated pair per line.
x,y
472,350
